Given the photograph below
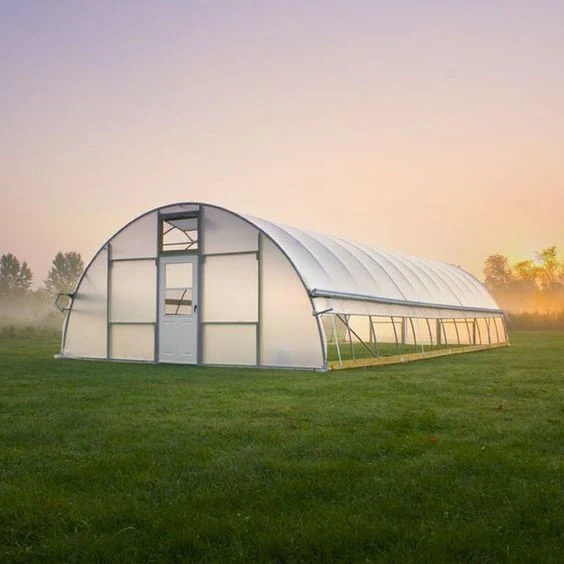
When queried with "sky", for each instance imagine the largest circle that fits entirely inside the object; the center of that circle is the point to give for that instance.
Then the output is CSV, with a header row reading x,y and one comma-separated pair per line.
x,y
433,128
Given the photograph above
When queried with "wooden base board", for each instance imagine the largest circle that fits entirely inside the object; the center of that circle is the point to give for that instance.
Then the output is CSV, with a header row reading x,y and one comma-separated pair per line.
x,y
409,357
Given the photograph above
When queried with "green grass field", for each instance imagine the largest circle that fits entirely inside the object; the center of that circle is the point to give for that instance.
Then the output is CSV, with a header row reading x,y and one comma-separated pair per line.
x,y
458,459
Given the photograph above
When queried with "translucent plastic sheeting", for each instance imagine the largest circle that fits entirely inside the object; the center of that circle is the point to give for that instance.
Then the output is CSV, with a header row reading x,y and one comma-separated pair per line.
x,y
483,333
132,342
359,325
416,331
230,344
494,331
464,331
227,233
137,240
230,291
334,265
133,291
383,328
358,307
450,334
180,208
500,329
87,322
289,332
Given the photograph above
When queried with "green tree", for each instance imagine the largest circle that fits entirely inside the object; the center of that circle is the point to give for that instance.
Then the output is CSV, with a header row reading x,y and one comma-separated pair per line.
x,y
15,278
550,269
497,272
526,274
64,272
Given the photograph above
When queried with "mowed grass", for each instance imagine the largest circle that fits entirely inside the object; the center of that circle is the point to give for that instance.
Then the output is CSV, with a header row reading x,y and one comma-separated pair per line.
x,y
455,459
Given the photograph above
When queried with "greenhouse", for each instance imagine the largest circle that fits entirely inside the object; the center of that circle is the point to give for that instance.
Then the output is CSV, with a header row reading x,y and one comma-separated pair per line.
x,y
195,283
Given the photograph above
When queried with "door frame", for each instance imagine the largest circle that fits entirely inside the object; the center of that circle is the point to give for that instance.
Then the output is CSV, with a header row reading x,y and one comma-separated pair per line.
x,y
175,258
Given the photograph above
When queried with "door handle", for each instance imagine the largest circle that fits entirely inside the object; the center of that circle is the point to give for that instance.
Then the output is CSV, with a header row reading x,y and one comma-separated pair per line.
x,y
195,308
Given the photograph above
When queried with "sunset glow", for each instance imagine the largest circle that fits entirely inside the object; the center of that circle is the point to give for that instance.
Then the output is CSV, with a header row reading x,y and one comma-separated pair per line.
x,y
432,129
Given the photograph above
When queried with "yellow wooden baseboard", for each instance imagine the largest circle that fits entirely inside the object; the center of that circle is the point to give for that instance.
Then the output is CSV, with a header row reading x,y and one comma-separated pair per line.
x,y
408,357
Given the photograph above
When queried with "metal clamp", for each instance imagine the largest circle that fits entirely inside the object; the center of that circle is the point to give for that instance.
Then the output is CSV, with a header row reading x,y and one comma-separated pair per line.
x,y
57,300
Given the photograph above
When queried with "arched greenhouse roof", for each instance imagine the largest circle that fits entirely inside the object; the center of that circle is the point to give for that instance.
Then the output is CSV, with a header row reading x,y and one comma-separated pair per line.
x,y
332,267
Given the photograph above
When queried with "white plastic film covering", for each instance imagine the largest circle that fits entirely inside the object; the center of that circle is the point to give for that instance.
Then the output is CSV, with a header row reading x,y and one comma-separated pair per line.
x,y
500,329
432,330
133,291
384,329
417,331
87,323
464,332
358,307
289,332
180,208
132,342
483,331
230,290
360,325
336,266
494,331
227,233
137,240
450,334
230,344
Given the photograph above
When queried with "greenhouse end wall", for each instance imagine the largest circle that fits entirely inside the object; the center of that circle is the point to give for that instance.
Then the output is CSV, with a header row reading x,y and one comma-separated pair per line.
x,y
253,309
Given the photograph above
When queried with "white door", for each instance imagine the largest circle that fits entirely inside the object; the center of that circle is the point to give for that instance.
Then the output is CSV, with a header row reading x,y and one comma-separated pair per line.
x,y
178,307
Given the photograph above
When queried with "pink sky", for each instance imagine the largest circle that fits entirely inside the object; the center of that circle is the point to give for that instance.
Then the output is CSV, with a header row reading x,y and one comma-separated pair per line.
x,y
431,128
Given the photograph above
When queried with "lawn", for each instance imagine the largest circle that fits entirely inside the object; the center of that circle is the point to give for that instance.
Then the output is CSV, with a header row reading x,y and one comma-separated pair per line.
x,y
457,459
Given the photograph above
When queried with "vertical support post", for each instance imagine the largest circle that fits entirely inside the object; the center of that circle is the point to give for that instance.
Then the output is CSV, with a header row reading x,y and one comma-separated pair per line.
x,y
348,329
109,302
336,339
456,330
489,331
373,331
474,331
479,331
468,331
201,283
159,237
395,334
439,336
494,320
444,332
413,331
430,332
259,297
158,307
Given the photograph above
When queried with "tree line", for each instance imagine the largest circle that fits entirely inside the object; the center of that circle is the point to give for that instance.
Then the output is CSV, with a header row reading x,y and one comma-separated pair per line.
x,y
528,287
20,303
532,285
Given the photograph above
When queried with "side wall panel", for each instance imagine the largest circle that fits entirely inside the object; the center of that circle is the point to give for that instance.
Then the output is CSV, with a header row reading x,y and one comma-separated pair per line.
x,y
137,240
133,342
86,328
226,233
133,291
289,334
229,286
230,344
